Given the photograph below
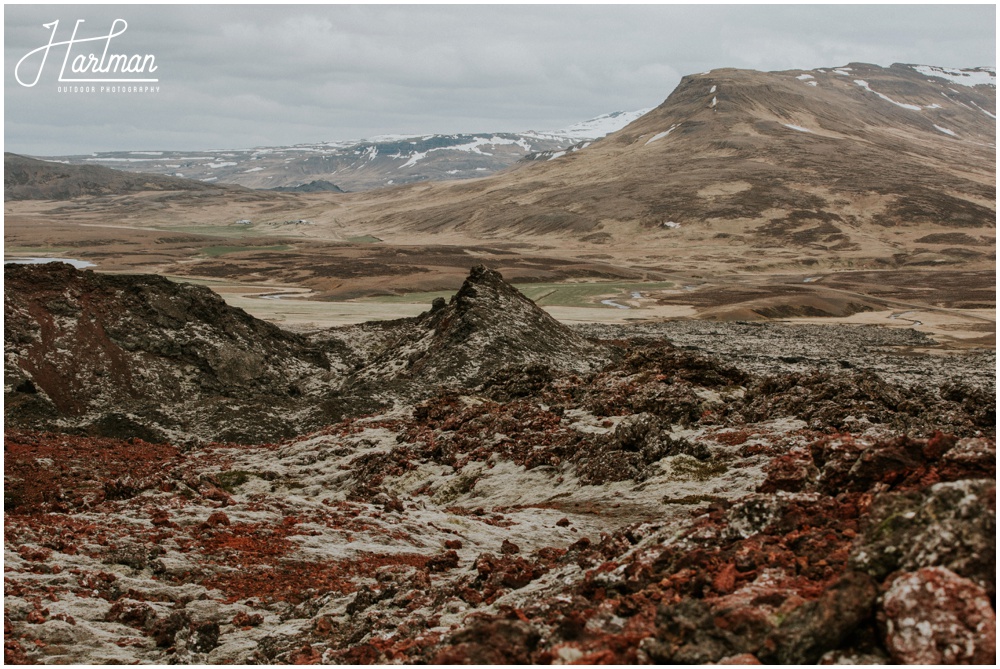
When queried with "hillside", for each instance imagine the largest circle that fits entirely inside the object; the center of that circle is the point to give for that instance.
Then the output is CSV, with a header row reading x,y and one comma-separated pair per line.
x,y
860,192
30,179
860,161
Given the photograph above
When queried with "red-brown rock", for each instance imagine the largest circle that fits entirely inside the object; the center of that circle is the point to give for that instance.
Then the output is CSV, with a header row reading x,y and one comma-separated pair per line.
x,y
217,519
933,616
508,547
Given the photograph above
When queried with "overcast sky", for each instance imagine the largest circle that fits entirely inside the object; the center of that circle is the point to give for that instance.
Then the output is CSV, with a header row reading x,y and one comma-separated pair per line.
x,y
239,76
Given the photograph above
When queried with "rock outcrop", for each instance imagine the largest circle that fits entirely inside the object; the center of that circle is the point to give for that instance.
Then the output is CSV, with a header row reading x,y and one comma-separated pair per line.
x,y
141,356
488,326
138,355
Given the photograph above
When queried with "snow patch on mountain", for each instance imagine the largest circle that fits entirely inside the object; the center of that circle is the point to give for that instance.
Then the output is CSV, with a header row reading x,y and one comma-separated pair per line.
x,y
977,76
661,135
864,84
990,114
599,126
414,159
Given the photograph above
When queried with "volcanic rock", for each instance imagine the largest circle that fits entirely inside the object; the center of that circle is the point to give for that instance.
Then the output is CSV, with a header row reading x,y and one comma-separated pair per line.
x,y
141,356
488,326
614,501
932,616
950,525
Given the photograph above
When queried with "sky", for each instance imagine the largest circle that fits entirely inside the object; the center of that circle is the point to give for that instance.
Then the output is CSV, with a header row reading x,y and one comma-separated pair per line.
x,y
241,76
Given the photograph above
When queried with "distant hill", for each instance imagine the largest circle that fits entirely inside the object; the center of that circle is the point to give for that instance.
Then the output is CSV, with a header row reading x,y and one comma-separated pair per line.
x,y
317,186
358,165
31,179
831,162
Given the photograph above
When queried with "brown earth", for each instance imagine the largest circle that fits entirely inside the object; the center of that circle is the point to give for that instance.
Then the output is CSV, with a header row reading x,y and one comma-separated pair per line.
x,y
747,501
239,262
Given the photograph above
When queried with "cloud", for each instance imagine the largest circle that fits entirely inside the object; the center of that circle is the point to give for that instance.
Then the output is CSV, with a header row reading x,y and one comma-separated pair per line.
x,y
237,76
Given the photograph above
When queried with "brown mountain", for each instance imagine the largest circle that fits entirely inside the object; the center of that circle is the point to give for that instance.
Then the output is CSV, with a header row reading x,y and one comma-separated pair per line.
x,y
31,179
836,163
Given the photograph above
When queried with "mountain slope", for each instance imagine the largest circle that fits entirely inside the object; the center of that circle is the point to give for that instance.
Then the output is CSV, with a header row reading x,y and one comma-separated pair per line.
x,y
829,161
30,179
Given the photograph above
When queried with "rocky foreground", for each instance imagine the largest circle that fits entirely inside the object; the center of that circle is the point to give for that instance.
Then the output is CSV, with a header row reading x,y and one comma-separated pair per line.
x,y
481,484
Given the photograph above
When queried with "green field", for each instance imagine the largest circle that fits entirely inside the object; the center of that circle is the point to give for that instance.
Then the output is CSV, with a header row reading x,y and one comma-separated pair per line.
x,y
552,294
216,251
36,250
211,230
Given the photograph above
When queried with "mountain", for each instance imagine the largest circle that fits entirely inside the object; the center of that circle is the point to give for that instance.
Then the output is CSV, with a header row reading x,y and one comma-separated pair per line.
x,y
30,179
856,161
357,165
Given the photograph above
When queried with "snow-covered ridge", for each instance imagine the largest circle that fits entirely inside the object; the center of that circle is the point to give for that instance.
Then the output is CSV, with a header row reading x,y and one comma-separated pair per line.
x,y
393,152
599,126
977,76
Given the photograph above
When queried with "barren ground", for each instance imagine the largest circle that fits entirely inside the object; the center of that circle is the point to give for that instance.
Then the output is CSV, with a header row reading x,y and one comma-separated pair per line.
x,y
330,273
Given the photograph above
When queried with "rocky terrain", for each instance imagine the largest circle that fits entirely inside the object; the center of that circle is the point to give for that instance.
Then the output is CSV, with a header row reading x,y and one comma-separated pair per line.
x,y
141,356
484,484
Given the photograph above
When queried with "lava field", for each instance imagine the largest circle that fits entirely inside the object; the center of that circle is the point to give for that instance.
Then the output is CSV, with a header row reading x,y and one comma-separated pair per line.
x,y
482,484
